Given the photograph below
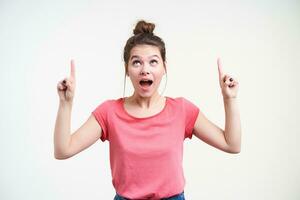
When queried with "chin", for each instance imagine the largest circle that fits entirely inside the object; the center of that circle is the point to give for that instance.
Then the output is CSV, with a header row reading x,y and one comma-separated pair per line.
x,y
146,94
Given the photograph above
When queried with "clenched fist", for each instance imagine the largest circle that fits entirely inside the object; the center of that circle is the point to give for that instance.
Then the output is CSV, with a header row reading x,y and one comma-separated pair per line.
x,y
229,85
66,87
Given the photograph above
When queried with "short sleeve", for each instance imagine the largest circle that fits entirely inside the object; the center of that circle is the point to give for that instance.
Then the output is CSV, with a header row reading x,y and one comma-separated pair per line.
x,y
191,113
100,113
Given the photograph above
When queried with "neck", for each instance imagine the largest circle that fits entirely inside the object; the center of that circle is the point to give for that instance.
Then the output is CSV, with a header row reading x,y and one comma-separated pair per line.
x,y
145,102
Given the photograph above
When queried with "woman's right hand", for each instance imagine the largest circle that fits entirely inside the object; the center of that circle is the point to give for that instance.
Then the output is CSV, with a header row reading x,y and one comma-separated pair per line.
x,y
66,87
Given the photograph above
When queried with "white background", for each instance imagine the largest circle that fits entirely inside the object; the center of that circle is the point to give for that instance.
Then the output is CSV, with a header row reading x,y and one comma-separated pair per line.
x,y
258,42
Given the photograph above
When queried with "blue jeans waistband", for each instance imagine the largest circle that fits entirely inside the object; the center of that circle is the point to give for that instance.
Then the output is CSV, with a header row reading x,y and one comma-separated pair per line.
x,y
175,197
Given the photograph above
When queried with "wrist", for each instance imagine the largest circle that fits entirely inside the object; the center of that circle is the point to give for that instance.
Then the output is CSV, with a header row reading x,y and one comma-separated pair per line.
x,y
64,103
230,99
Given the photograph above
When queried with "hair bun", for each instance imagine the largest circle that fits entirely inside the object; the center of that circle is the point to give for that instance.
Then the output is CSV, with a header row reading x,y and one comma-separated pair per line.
x,y
143,27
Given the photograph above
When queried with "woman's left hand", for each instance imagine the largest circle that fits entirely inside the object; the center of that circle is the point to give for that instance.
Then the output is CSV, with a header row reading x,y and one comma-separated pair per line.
x,y
228,84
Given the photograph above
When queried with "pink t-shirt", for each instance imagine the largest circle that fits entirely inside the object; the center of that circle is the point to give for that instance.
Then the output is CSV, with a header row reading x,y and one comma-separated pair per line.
x,y
146,153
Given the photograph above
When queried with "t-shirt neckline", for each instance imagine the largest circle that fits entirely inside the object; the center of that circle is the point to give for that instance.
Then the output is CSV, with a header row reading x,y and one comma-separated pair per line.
x,y
122,101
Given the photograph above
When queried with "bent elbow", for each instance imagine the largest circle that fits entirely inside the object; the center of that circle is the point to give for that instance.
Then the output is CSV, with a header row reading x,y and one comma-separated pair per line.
x,y
60,156
235,150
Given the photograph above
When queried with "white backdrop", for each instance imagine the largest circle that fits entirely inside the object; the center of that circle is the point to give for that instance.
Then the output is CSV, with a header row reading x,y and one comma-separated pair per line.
x,y
258,43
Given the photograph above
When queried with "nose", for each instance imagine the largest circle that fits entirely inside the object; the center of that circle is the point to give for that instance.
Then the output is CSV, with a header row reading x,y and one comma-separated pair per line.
x,y
145,70
143,73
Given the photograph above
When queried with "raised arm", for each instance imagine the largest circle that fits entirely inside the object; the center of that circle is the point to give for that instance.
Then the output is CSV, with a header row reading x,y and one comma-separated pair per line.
x,y
66,144
228,140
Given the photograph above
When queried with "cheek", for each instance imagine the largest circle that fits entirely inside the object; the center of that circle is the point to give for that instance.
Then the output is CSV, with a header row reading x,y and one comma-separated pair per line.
x,y
133,76
160,73
131,72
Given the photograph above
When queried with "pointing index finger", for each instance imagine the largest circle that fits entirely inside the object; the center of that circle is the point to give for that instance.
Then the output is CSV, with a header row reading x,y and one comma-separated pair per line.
x,y
72,68
220,69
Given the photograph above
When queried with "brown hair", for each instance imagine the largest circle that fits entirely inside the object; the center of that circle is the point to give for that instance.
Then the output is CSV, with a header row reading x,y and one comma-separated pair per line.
x,y
143,34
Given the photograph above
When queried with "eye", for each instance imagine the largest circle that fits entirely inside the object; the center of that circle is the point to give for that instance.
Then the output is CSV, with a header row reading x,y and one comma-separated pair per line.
x,y
135,62
153,61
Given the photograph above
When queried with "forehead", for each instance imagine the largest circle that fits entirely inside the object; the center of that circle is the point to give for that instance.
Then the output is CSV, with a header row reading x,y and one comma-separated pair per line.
x,y
144,51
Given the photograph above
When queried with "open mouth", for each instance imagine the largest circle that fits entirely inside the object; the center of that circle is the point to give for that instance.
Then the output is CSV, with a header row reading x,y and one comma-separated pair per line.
x,y
146,82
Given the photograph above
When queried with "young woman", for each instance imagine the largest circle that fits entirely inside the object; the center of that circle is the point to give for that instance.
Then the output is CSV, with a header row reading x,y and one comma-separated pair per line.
x,y
146,131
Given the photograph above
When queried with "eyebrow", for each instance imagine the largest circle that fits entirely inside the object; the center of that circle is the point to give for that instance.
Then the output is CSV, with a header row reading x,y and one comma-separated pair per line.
x,y
135,56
